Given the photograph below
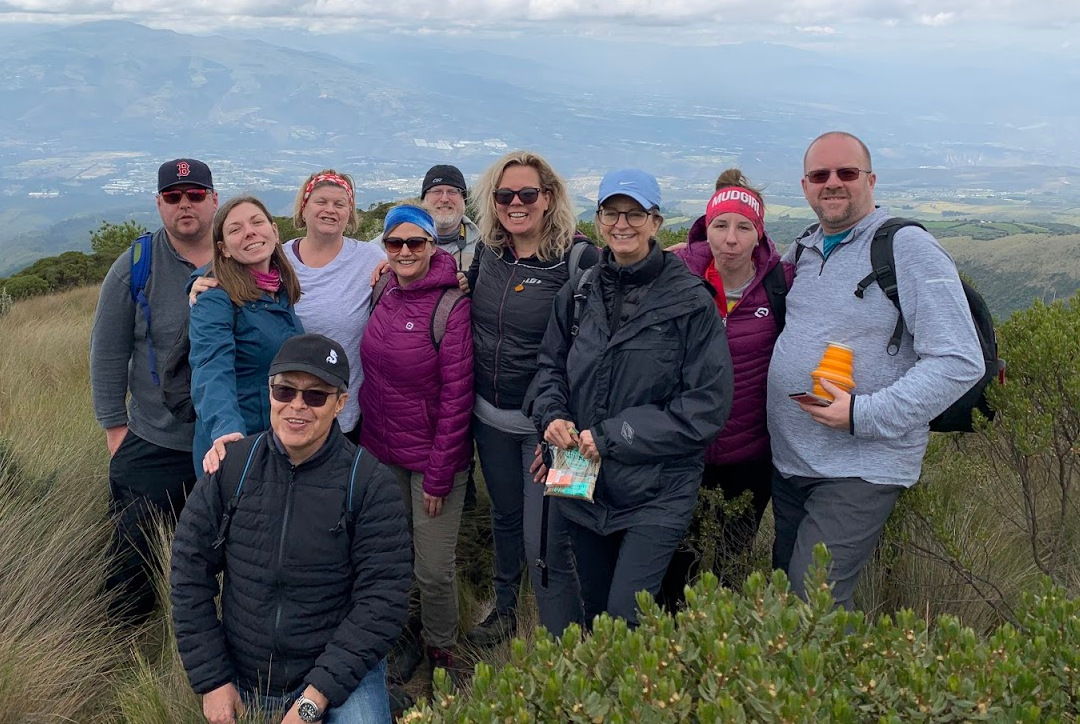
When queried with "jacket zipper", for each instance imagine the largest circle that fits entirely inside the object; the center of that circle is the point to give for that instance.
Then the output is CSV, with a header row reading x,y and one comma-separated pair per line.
x,y
280,558
498,343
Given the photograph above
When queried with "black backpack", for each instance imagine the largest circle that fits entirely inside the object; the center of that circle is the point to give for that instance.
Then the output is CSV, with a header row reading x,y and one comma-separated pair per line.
x,y
958,416
363,467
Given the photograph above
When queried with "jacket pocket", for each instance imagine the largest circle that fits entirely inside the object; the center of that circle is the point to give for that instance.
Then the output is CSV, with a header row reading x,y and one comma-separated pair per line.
x,y
649,370
625,487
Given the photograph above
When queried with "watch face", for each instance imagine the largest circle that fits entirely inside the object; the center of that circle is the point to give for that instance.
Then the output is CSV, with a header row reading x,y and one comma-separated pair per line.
x,y
307,710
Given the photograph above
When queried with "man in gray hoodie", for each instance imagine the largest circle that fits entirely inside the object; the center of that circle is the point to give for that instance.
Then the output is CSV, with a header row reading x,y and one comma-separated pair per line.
x,y
840,468
150,470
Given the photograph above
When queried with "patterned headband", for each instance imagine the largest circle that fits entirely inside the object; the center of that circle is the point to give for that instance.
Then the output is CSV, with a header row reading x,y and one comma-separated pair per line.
x,y
332,178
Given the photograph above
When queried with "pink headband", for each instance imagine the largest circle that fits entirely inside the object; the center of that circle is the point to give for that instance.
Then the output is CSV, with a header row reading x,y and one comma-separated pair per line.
x,y
332,178
737,200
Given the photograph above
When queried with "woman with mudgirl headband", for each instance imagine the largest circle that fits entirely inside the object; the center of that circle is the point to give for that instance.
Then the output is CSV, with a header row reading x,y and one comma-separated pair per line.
x,y
334,272
729,248
236,328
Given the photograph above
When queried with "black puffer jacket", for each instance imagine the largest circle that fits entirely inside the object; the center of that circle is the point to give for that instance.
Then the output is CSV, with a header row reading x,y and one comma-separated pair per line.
x,y
654,392
511,302
302,602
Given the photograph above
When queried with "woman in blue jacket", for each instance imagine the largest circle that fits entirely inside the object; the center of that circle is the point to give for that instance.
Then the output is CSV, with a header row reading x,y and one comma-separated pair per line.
x,y
237,327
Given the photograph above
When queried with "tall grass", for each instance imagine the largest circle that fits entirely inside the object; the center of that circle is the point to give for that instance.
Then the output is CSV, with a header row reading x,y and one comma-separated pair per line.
x,y
961,542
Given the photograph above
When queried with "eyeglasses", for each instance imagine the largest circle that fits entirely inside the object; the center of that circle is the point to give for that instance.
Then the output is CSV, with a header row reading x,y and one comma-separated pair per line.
x,y
415,243
194,196
450,191
528,195
848,173
610,217
312,398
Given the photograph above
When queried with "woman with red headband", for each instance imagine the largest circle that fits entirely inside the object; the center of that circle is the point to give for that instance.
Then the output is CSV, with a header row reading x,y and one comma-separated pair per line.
x,y
334,271
729,248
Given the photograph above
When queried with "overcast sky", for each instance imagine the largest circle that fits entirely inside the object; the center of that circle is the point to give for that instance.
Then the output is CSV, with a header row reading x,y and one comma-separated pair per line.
x,y
1047,25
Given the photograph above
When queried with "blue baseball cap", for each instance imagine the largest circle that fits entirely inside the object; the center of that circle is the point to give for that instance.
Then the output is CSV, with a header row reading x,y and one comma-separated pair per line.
x,y
407,213
632,182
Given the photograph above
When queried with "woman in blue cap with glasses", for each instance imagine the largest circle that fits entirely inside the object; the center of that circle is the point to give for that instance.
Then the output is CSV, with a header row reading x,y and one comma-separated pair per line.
x,y
634,373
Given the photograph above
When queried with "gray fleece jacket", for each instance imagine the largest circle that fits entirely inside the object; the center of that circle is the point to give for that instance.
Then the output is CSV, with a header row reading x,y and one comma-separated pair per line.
x,y
895,396
120,355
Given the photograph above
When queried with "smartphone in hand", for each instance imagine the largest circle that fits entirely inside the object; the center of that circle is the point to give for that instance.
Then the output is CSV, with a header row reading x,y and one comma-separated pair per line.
x,y
810,399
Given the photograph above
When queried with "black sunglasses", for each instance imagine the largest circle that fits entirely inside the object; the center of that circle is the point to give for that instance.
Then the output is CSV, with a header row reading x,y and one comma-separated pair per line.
x,y
848,173
194,196
415,243
312,398
505,196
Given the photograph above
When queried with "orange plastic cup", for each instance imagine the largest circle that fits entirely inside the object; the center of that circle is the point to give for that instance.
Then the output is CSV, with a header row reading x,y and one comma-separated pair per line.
x,y
837,366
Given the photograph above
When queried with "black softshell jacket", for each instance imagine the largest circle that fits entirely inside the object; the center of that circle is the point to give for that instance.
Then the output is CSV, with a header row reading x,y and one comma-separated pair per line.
x,y
306,597
654,393
511,298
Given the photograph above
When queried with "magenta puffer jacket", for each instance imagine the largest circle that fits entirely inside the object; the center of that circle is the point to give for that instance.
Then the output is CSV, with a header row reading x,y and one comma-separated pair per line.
x,y
417,401
751,333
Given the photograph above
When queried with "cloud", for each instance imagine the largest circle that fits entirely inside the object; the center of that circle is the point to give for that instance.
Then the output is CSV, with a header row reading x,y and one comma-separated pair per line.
x,y
807,16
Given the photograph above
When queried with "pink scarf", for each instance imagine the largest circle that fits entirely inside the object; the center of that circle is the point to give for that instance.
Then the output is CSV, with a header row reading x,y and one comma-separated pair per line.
x,y
267,281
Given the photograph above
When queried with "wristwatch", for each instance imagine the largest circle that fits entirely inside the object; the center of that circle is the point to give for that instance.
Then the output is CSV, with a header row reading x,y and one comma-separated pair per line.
x,y
307,710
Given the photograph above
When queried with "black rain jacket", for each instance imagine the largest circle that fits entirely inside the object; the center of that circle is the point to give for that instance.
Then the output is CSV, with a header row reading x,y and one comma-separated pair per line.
x,y
654,391
306,597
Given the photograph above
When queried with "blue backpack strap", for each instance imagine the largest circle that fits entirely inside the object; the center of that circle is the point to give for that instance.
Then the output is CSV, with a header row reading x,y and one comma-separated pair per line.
x,y
234,501
363,467
141,260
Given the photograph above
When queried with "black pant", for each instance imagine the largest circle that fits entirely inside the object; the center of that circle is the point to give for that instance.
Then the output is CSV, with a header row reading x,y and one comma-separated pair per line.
x,y
145,480
735,533
614,567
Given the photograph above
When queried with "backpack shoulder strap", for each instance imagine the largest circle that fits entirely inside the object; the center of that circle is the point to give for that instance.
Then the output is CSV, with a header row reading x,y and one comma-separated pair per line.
x,y
883,271
580,292
799,248
775,284
363,467
234,501
141,259
577,249
440,315
378,289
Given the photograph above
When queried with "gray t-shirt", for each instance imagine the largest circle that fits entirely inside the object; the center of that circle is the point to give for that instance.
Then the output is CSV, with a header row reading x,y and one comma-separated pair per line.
x,y
334,301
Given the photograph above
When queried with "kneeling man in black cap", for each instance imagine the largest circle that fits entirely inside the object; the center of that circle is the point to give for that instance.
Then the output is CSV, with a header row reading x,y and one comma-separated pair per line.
x,y
310,534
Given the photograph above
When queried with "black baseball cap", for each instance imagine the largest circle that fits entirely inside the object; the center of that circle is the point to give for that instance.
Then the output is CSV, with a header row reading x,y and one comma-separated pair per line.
x,y
184,171
443,175
315,354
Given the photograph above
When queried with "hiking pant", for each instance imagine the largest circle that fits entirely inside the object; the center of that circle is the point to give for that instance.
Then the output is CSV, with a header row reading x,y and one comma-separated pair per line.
x,y
736,532
145,480
614,567
846,514
434,552
516,512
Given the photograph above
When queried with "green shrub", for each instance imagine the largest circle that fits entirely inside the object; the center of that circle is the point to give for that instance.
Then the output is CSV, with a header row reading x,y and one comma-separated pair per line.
x,y
30,285
766,656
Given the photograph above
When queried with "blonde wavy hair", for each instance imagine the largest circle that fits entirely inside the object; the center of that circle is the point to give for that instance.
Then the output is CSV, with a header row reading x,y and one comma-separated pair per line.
x,y
298,206
233,276
559,223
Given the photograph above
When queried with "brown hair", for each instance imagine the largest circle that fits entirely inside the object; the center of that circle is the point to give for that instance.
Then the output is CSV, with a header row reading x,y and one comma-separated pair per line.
x,y
559,223
735,177
233,276
298,207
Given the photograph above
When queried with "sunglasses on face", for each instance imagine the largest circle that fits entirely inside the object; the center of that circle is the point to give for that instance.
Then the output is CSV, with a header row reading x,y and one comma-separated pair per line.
x,y
194,196
505,196
312,398
848,173
610,217
415,243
